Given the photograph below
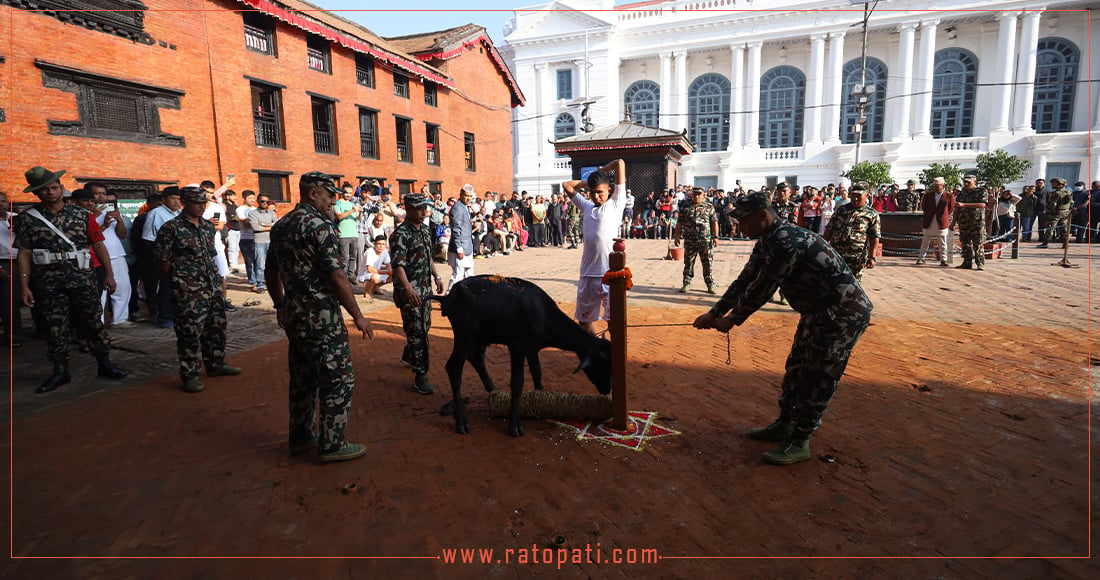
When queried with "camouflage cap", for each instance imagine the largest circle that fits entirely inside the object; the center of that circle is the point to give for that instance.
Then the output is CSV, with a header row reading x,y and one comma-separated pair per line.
x,y
322,180
970,177
782,185
1058,181
859,186
416,200
192,194
750,204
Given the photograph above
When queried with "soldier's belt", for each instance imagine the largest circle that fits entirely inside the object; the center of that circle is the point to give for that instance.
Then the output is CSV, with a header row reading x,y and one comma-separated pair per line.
x,y
83,258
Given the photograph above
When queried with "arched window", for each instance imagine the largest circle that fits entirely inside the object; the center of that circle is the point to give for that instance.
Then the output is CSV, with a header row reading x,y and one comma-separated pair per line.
x,y
782,101
954,81
1055,85
644,100
709,112
564,126
875,111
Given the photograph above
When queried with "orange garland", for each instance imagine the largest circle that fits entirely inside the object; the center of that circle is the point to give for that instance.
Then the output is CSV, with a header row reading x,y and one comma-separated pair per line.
x,y
623,274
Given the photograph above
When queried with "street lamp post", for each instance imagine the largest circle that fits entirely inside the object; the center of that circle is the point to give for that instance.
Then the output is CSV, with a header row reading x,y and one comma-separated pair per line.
x,y
862,92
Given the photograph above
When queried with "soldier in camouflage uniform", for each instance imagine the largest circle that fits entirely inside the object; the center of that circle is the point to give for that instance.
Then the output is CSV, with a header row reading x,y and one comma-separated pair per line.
x,y
414,270
698,226
784,207
970,216
835,312
305,279
61,275
854,231
907,199
185,248
573,223
1058,209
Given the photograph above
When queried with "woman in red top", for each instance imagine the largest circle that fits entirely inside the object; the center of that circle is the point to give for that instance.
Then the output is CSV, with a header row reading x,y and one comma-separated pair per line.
x,y
809,215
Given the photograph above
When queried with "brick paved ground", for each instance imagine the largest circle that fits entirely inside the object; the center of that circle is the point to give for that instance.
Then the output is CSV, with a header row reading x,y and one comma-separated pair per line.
x,y
959,430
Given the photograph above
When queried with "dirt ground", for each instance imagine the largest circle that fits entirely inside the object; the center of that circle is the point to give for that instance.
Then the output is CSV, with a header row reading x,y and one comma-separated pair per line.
x,y
931,457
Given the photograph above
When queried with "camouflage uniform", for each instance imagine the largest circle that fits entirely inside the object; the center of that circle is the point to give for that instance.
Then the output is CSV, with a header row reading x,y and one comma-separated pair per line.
x,y
849,231
787,210
411,248
835,312
1059,207
698,223
906,200
62,288
971,226
196,293
304,251
573,225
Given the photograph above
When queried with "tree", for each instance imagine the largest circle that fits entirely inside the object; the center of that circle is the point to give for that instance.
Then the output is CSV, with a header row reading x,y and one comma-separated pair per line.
x,y
874,173
950,173
999,167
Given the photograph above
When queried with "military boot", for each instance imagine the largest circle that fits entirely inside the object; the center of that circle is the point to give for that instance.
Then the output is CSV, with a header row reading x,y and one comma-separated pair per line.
x,y
59,377
107,369
193,385
684,288
712,289
777,431
346,453
421,384
964,266
222,370
792,450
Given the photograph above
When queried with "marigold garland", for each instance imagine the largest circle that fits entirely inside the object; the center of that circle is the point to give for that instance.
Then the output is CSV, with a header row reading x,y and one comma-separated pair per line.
x,y
623,274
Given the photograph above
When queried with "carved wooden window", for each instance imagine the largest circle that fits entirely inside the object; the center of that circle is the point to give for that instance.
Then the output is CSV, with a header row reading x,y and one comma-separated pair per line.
x,y
125,18
111,108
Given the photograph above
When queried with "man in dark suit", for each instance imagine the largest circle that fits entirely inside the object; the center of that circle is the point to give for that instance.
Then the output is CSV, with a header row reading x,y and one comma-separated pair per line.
x,y
1041,195
937,205
460,252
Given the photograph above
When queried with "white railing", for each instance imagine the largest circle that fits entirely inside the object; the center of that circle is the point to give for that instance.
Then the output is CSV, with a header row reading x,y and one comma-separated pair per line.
x,y
680,8
963,144
563,164
782,154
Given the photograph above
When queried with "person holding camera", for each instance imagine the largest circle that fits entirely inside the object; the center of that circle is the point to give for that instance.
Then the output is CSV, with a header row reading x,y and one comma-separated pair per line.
x,y
114,228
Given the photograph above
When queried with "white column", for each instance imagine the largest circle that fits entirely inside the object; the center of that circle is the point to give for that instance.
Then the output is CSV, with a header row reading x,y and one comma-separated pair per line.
x,y
542,99
834,89
752,87
1006,57
665,118
815,89
922,116
613,96
581,82
1096,125
1025,74
737,98
680,94
904,76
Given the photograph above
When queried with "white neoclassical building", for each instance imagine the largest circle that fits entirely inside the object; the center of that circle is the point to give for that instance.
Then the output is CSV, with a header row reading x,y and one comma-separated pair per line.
x,y
764,87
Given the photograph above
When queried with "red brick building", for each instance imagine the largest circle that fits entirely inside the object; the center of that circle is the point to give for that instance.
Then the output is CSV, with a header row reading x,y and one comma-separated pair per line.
x,y
157,92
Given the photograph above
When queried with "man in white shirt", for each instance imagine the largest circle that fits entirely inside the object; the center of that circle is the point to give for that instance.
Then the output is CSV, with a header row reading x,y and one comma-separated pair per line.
x,y
247,241
374,269
114,228
157,218
11,293
216,214
602,216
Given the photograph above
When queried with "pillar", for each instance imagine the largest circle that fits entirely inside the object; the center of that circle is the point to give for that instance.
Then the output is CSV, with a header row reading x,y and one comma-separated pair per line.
x,y
1006,58
922,101
834,89
542,97
737,98
1025,73
613,95
680,93
903,72
752,87
815,90
665,114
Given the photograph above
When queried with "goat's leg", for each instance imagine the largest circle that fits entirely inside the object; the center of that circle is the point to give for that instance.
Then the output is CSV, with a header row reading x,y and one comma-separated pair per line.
x,y
454,372
515,426
536,369
477,360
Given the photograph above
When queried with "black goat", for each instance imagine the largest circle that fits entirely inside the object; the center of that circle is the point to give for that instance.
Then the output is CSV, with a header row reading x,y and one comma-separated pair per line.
x,y
486,310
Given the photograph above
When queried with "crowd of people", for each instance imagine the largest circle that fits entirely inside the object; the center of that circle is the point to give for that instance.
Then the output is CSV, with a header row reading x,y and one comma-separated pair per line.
x,y
79,264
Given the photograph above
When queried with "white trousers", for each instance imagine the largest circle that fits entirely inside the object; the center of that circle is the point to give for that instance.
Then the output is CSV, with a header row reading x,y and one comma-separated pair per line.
x,y
933,233
120,300
234,241
460,269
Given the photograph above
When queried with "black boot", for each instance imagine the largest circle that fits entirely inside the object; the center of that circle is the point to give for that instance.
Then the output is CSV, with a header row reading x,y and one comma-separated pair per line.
x,y
59,377
108,369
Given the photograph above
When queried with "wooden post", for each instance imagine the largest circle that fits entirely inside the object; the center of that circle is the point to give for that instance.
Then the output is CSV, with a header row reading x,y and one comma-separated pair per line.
x,y
617,327
1016,238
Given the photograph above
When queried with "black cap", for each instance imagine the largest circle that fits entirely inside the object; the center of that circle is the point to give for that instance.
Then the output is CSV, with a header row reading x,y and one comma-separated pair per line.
x,y
416,200
82,194
170,190
750,204
323,180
